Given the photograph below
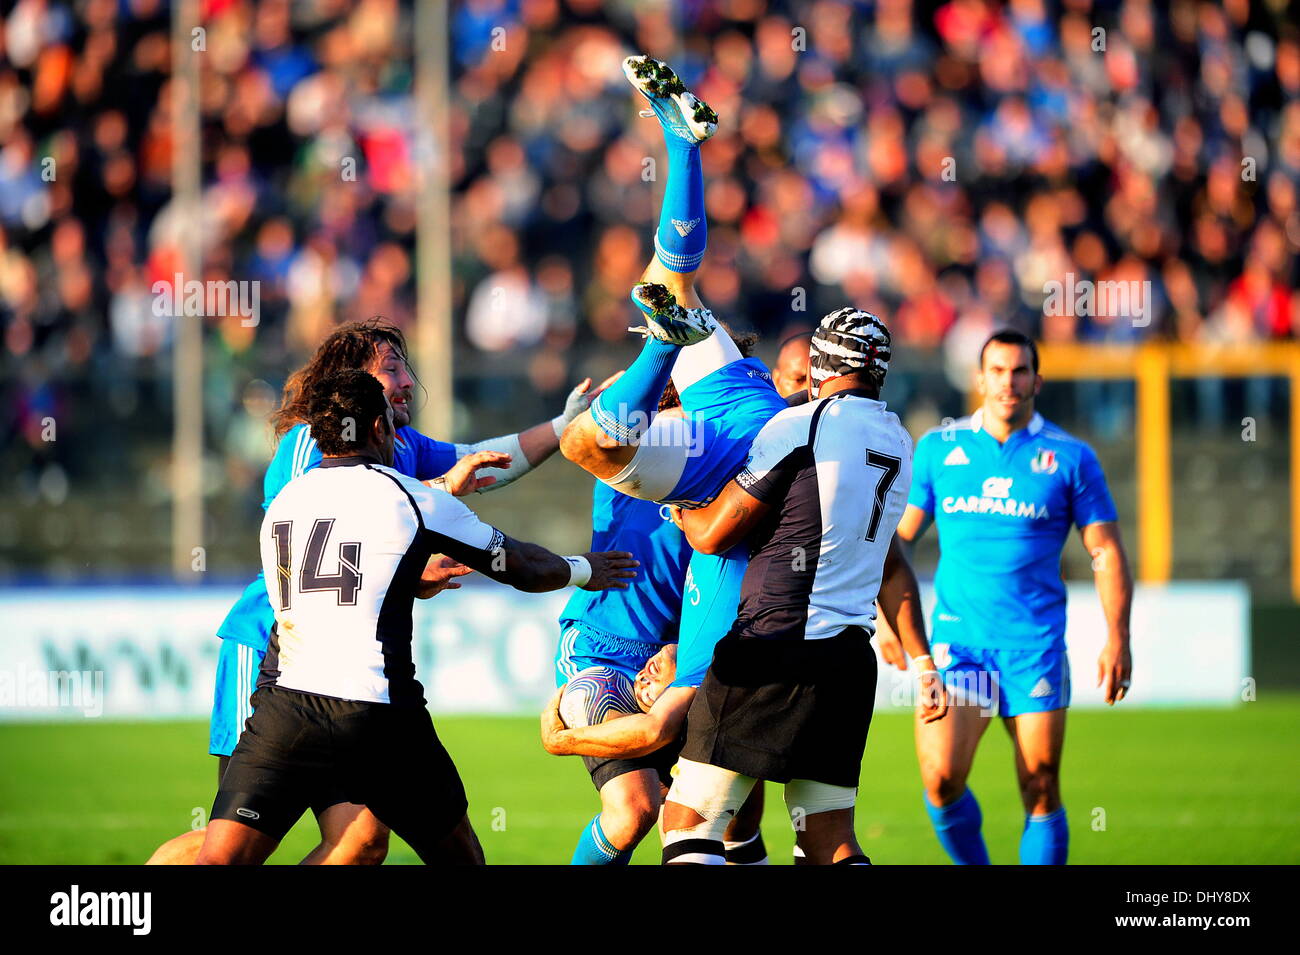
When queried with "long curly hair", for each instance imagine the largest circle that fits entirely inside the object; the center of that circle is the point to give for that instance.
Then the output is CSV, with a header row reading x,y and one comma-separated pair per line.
x,y
353,346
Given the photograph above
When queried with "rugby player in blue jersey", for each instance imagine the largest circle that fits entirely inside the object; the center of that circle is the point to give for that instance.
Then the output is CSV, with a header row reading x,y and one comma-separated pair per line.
x,y
349,834
618,649
613,638
675,459
1003,487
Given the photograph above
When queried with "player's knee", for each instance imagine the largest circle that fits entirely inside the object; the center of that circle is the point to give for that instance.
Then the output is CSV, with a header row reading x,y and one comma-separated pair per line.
x,y
1041,786
182,850
580,440
943,788
628,824
572,441
628,811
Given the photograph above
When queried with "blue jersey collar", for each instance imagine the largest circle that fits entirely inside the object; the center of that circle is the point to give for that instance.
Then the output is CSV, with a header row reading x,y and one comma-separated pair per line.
x,y
1035,424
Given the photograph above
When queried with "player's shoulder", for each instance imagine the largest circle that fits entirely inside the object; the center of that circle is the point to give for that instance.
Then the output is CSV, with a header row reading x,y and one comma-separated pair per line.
x,y
294,452
407,437
881,423
404,481
1057,439
437,507
790,423
944,437
948,430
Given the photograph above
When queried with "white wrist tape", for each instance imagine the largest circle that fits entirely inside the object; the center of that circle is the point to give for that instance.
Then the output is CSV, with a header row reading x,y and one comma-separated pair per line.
x,y
579,571
509,443
559,423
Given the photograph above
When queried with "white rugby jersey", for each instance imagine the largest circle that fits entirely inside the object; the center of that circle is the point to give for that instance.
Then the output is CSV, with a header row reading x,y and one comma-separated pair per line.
x,y
343,548
836,473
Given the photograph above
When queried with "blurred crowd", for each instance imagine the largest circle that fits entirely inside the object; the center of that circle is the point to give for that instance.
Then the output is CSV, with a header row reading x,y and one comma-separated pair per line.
x,y
941,163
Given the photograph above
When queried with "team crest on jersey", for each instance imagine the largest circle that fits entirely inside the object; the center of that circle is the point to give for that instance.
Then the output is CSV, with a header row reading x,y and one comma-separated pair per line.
x,y
956,456
1044,462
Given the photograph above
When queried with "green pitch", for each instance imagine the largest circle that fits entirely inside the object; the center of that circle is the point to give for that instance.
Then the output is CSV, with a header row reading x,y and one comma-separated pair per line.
x,y
1141,786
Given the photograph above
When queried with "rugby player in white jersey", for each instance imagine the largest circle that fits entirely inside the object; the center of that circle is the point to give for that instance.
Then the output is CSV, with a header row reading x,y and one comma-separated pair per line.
x,y
349,834
789,694
339,708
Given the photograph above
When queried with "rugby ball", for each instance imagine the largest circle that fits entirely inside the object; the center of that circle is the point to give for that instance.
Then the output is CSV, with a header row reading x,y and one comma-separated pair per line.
x,y
596,694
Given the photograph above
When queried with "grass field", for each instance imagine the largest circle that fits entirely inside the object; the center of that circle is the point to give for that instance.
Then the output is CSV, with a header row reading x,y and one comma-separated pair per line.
x,y
1174,785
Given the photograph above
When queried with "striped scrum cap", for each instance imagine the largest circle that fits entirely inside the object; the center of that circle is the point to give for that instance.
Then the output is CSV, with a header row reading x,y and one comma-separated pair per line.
x,y
846,341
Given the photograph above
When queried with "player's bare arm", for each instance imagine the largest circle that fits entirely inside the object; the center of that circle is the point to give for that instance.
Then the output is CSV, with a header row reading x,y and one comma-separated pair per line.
x,y
900,604
637,734
532,568
532,446
723,524
542,440
914,523
1115,588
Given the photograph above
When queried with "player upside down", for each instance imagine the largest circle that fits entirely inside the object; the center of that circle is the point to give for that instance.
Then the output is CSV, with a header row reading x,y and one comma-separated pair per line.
x,y
609,637
675,459
678,461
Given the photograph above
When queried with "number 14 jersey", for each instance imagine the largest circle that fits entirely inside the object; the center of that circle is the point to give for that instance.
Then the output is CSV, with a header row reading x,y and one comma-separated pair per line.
x,y
343,547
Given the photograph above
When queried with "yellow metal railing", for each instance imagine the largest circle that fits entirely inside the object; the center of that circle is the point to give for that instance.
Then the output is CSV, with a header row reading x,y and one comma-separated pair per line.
x,y
1151,367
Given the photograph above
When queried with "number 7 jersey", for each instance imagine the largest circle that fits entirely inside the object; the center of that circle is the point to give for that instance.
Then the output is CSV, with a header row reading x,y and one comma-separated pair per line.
x,y
343,548
835,473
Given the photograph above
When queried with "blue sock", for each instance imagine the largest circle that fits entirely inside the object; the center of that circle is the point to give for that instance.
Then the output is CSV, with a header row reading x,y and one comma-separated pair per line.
x,y
595,849
958,827
683,232
624,409
1046,839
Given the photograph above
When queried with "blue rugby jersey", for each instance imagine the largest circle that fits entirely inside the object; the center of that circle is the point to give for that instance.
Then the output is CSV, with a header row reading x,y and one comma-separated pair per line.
x,y
249,620
729,406
1003,513
650,609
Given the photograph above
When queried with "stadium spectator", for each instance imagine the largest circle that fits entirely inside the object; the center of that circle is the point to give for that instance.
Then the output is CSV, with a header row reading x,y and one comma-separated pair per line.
x,y
939,162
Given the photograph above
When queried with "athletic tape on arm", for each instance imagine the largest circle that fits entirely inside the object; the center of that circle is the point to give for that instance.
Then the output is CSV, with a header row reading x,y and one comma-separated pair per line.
x,y
509,443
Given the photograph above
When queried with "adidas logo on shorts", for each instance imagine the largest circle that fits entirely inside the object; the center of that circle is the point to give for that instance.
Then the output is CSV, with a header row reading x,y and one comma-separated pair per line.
x,y
1041,689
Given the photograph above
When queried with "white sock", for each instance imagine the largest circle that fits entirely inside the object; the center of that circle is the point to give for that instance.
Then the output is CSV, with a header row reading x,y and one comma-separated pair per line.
x,y
702,359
